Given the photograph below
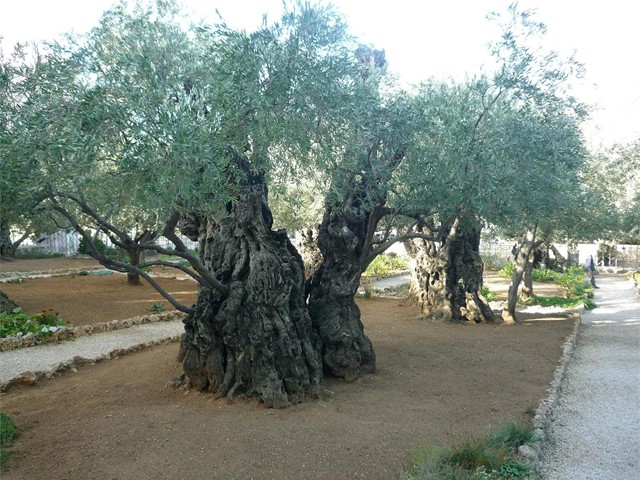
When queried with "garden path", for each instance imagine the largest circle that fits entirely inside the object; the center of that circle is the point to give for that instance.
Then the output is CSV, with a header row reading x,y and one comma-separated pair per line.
x,y
594,432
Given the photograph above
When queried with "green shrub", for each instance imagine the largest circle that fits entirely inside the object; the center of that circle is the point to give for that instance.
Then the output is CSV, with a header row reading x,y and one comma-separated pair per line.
x,y
544,301
101,247
507,270
385,265
543,275
17,323
488,295
157,307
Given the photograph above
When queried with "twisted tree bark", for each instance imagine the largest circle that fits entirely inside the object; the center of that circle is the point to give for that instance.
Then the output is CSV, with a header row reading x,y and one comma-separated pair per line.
x,y
253,338
346,351
447,276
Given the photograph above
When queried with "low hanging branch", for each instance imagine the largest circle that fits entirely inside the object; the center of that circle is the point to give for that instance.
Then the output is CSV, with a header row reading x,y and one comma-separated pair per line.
x,y
123,240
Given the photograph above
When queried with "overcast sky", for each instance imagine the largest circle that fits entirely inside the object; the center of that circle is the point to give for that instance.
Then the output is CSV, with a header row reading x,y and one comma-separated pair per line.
x,y
424,38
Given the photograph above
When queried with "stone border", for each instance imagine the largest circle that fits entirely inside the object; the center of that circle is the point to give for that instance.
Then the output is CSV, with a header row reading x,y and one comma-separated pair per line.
x,y
532,452
31,378
70,333
16,275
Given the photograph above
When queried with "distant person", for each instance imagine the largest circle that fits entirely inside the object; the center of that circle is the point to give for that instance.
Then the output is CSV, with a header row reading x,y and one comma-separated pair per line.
x,y
590,268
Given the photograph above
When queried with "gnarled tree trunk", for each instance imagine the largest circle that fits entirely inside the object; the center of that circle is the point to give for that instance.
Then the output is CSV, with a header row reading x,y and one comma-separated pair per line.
x,y
346,351
256,338
447,281
6,304
8,248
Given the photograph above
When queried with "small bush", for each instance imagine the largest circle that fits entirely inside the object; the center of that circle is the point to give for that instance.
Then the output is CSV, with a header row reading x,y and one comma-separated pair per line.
x,y
507,270
488,295
101,247
385,265
157,307
17,323
543,275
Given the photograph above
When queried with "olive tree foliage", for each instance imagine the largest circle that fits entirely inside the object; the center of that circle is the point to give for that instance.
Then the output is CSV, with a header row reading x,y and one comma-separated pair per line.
x,y
498,149
145,123
612,184
20,213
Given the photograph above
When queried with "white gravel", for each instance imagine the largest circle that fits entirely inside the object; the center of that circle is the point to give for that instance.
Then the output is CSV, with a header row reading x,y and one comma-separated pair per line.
x,y
595,428
45,359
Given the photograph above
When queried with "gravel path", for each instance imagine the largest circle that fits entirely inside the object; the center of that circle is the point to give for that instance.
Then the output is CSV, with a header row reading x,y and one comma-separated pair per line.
x,y
42,360
595,428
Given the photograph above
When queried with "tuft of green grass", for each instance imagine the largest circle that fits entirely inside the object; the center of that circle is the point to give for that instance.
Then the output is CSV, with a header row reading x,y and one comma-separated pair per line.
x,y
490,458
8,431
157,307
510,435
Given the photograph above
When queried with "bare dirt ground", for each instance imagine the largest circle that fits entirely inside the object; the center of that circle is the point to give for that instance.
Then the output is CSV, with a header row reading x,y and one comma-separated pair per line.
x,y
117,419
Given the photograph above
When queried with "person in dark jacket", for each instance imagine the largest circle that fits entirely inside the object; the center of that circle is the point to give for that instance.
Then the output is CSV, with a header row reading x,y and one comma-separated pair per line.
x,y
590,268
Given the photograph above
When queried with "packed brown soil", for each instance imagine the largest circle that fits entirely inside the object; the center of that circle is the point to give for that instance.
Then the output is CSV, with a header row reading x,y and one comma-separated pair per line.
x,y
118,419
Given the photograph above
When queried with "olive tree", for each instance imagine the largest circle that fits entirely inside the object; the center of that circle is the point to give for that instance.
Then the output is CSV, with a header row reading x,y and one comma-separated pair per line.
x,y
485,156
186,130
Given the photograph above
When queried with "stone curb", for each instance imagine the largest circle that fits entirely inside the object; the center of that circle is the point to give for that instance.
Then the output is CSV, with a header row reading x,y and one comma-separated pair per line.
x,y
31,378
532,452
64,334
16,275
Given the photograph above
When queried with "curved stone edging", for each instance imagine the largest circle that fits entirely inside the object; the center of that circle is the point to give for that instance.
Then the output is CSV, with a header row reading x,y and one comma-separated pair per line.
x,y
30,378
532,451
64,334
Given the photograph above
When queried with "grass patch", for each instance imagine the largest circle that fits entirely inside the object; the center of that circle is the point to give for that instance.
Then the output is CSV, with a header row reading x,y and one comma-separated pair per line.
x,y
493,457
8,433
560,302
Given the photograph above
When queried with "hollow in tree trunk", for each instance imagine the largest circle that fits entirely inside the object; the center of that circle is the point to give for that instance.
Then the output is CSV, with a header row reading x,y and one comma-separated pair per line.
x,y
447,276
255,338
307,246
346,351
